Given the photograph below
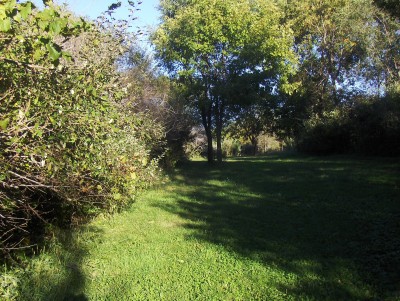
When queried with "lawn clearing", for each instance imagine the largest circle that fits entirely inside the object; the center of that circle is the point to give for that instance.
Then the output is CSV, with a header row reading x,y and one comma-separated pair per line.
x,y
263,228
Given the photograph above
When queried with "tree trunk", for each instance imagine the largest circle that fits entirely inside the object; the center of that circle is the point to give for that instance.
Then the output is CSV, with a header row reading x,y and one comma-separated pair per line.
x,y
254,143
219,115
210,149
206,118
219,142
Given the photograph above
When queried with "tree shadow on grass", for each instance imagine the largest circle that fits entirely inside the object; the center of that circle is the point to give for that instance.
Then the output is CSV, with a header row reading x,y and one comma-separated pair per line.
x,y
68,255
72,287
332,222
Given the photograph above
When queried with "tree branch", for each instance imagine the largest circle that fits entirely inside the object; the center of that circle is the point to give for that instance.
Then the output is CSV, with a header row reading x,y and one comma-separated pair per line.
x,y
28,65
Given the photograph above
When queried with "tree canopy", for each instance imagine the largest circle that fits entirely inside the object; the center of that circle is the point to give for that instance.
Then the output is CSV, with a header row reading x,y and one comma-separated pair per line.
x,y
226,51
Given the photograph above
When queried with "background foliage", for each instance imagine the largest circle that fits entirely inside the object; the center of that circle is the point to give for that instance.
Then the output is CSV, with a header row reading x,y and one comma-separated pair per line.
x,y
298,69
349,73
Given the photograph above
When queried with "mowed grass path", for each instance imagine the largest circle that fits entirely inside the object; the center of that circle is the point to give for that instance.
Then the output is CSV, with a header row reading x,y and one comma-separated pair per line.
x,y
263,228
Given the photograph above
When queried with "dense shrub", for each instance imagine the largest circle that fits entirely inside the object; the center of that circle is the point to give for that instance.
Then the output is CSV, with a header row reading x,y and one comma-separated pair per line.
x,y
230,147
268,143
197,144
241,147
326,135
68,147
371,126
376,126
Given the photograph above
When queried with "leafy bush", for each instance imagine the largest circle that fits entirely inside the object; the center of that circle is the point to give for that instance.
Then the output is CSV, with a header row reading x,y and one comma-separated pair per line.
x,y
197,145
376,126
370,126
230,147
326,135
68,147
267,143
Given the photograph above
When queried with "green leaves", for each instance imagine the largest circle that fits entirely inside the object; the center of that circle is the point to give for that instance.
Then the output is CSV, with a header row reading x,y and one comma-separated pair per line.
x,y
10,10
214,36
9,5
5,15
54,53
26,9
55,27
45,18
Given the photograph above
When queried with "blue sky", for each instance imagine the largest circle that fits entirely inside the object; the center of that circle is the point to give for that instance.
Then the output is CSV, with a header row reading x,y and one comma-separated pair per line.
x,y
147,16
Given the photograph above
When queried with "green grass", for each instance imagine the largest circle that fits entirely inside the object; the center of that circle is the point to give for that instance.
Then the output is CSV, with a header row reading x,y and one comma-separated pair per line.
x,y
263,228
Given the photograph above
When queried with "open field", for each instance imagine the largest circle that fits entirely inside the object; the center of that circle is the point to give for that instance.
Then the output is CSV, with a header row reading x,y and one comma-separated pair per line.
x,y
262,228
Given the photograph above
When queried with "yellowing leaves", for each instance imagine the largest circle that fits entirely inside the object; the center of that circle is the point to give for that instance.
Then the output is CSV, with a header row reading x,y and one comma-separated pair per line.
x,y
4,123
5,24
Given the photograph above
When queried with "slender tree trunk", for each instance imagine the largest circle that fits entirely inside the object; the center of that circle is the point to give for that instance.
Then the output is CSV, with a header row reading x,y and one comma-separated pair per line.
x,y
206,118
254,143
210,149
219,144
219,121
